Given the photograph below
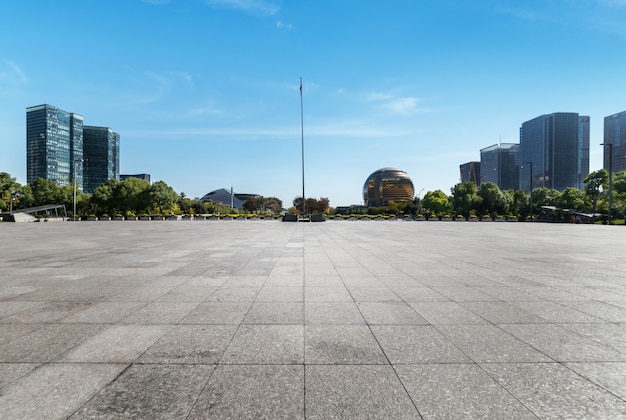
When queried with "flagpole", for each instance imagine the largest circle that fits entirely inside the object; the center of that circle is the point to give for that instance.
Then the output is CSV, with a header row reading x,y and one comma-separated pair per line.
x,y
302,128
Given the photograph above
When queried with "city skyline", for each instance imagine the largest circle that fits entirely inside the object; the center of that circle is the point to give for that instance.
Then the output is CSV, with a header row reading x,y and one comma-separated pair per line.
x,y
205,93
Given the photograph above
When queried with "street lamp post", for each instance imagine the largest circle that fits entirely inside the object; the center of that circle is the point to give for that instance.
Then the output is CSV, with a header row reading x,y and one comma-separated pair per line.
x,y
75,162
610,177
531,189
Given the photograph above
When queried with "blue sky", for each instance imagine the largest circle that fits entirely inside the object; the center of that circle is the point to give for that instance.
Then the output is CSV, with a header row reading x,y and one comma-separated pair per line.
x,y
204,93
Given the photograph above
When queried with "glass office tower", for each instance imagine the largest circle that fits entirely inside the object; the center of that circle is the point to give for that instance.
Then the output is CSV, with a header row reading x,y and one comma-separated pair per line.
x,y
615,134
470,172
558,147
101,149
500,164
53,141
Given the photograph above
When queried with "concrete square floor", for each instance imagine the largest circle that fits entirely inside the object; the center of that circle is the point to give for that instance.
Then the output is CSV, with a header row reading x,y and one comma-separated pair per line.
x,y
342,319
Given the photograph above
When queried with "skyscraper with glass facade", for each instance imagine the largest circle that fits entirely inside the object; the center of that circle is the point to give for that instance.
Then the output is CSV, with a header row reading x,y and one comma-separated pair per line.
x,y
470,172
101,149
615,134
54,140
500,164
557,145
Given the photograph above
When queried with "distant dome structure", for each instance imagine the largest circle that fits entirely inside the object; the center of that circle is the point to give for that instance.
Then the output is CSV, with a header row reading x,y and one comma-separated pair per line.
x,y
385,185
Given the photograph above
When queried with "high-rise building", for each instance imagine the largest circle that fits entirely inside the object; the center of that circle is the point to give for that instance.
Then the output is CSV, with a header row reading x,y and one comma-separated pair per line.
x,y
500,164
615,134
470,172
101,150
54,140
557,145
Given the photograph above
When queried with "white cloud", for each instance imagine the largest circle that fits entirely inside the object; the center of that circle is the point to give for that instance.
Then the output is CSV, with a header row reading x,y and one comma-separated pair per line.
x,y
402,105
253,7
282,25
11,73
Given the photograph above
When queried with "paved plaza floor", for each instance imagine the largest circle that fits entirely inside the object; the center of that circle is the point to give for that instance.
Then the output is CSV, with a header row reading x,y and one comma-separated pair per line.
x,y
264,319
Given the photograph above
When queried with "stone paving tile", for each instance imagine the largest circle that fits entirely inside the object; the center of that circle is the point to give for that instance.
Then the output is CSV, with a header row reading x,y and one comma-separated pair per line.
x,y
418,294
266,344
10,308
446,313
104,312
554,312
47,342
487,343
463,293
602,310
234,294
384,313
218,313
373,294
459,391
612,335
332,313
253,391
609,376
552,391
501,313
9,372
280,294
341,344
190,344
161,312
30,397
150,392
326,294
416,344
562,344
46,313
358,391
115,344
277,313
185,293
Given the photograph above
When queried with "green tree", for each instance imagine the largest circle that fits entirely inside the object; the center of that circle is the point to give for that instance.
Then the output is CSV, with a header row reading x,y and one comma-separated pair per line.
x,y
595,183
437,203
45,192
104,199
162,197
543,196
465,198
273,204
519,202
8,190
571,198
494,202
130,196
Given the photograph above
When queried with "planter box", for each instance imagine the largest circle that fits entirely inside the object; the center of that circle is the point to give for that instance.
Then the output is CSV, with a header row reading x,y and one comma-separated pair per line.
x,y
131,218
157,218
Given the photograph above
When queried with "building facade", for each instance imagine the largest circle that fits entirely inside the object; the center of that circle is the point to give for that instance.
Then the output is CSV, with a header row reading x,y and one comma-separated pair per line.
x,y
557,146
499,164
54,141
615,134
101,151
145,177
470,172
386,185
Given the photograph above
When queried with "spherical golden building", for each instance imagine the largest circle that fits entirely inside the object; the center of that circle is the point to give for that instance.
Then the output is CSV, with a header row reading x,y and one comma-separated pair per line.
x,y
385,185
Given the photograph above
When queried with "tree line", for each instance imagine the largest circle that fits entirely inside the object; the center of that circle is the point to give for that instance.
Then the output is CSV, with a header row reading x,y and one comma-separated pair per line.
x,y
468,200
130,197
135,197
